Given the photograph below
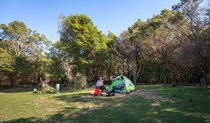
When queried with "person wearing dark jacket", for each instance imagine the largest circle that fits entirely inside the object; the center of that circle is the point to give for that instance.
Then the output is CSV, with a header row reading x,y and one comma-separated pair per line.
x,y
118,87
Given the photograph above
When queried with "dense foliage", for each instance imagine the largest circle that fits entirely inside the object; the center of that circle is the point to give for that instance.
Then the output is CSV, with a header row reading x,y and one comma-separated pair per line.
x,y
173,46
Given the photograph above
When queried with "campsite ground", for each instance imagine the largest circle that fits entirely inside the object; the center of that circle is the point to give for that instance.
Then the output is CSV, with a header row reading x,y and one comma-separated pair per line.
x,y
146,104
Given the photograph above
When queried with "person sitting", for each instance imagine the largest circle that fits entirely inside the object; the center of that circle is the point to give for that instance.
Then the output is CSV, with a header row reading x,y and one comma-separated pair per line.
x,y
118,87
98,82
100,85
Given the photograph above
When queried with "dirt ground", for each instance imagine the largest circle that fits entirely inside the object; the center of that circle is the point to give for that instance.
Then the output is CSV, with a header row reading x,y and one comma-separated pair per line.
x,y
149,94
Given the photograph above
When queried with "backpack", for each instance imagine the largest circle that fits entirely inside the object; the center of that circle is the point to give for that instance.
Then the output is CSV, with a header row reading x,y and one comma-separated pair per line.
x,y
96,92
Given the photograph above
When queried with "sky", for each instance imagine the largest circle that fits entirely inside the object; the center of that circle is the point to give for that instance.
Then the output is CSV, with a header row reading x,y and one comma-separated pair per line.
x,y
108,15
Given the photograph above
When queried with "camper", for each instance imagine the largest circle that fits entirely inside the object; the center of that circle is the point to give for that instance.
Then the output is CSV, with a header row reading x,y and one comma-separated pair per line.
x,y
128,87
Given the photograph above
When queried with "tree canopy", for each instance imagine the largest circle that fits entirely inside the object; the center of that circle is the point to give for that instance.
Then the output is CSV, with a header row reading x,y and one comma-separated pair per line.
x,y
172,46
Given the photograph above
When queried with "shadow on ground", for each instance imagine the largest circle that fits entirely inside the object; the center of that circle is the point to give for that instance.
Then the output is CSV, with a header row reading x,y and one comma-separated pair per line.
x,y
16,89
83,107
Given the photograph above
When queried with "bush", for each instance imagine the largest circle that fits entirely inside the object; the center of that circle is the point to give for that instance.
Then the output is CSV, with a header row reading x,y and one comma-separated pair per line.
x,y
44,89
80,81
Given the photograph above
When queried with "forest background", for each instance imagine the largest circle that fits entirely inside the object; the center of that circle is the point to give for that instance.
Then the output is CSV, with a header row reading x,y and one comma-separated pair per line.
x,y
172,46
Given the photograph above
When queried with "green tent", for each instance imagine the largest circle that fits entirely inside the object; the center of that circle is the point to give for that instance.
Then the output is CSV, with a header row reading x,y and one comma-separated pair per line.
x,y
129,86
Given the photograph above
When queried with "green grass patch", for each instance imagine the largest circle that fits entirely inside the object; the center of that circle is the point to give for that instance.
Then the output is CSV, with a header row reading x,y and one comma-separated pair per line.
x,y
147,104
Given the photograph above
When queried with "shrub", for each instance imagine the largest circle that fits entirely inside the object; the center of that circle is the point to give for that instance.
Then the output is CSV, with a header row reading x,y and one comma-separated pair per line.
x,y
44,88
80,81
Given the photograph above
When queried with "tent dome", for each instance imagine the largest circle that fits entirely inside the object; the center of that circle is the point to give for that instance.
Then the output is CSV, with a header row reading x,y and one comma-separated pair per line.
x,y
129,86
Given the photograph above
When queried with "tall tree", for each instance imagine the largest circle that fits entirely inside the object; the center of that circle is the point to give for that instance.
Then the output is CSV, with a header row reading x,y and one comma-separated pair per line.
x,y
55,67
24,45
82,41
192,36
14,38
137,38
109,58
15,35
39,44
163,44
7,61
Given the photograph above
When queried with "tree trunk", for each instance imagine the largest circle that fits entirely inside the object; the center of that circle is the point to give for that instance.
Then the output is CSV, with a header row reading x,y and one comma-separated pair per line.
x,y
35,71
14,80
129,72
109,73
160,78
205,75
164,76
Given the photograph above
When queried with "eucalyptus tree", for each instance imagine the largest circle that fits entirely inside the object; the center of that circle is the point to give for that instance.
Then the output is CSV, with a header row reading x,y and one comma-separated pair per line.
x,y
25,46
83,42
163,45
192,33
55,67
36,52
14,39
110,59
131,49
61,65
6,63
122,51
15,36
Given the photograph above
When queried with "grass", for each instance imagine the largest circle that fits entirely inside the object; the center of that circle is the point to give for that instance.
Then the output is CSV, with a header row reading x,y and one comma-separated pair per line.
x,y
148,104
